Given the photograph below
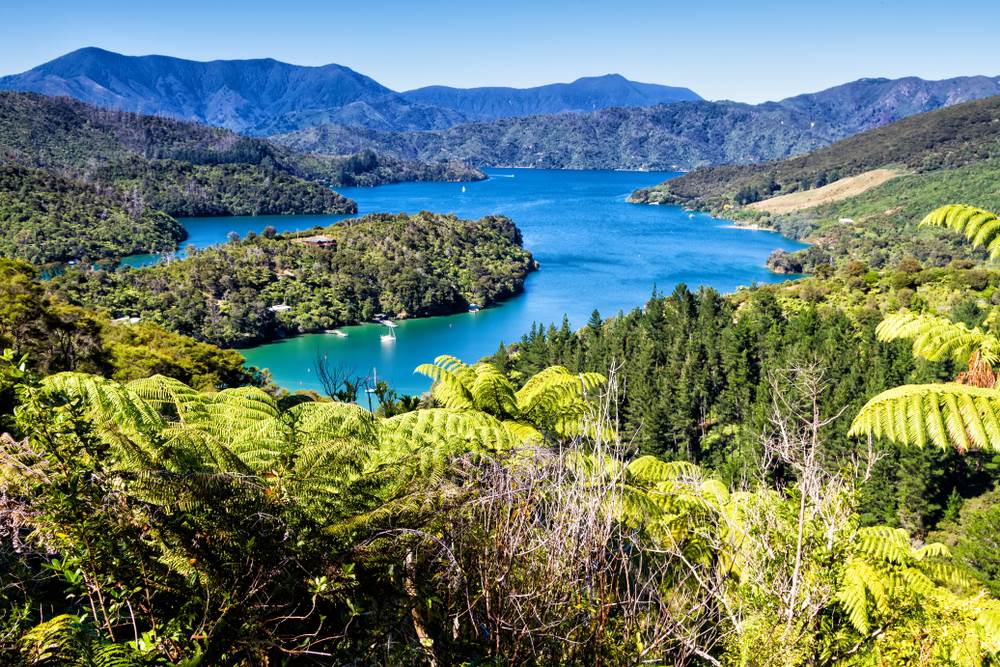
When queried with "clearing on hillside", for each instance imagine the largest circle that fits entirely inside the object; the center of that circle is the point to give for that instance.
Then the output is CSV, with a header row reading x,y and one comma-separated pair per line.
x,y
836,191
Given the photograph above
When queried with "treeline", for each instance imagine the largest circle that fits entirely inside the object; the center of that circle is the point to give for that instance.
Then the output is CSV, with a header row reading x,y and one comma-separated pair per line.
x,y
698,369
264,287
55,336
45,217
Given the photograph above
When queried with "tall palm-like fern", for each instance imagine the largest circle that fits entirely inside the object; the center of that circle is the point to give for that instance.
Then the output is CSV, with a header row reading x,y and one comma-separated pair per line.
x,y
964,414
552,401
885,576
318,458
981,227
223,489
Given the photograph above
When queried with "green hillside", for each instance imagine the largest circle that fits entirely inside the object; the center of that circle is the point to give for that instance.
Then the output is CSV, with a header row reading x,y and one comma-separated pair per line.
x,y
941,139
45,217
112,167
54,336
948,155
880,226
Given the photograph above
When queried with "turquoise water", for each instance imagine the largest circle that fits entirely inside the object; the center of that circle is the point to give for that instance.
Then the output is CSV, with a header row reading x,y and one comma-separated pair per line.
x,y
595,249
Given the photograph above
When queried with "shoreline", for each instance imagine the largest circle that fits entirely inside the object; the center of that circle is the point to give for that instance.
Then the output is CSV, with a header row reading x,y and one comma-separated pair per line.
x,y
749,226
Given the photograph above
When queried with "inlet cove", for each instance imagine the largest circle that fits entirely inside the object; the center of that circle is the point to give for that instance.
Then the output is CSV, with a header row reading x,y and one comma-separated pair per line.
x,y
595,252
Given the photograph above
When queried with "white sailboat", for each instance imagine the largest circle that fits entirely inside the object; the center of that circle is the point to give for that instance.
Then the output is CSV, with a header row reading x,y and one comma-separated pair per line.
x,y
391,336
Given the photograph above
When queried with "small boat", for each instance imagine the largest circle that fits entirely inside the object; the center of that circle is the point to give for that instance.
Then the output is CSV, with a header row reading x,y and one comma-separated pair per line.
x,y
474,308
337,332
389,323
691,215
391,336
463,188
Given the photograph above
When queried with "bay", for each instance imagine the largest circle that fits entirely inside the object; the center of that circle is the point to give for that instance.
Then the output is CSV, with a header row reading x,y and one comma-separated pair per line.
x,y
596,252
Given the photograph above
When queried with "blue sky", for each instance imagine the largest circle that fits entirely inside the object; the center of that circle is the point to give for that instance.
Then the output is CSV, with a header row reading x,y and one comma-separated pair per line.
x,y
748,51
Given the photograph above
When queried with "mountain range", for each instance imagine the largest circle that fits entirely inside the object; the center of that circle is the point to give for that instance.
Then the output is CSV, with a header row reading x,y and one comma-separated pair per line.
x,y
261,97
605,122
860,198
678,136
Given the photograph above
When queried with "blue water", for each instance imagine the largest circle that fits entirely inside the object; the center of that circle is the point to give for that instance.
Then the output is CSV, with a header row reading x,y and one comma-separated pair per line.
x,y
595,249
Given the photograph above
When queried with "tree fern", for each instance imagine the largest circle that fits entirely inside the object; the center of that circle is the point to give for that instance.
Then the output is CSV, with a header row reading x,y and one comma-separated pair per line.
x,y
885,572
955,415
937,338
981,227
452,382
67,640
553,400
965,415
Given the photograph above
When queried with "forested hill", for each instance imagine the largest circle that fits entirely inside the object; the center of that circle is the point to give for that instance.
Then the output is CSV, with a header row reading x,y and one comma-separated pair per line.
x,y
947,137
108,162
51,132
83,183
683,135
861,198
264,287
46,217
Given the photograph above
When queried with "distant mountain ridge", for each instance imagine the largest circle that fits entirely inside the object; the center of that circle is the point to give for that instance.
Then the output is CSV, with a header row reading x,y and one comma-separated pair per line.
x,y
584,94
604,122
866,103
946,138
860,198
678,136
265,96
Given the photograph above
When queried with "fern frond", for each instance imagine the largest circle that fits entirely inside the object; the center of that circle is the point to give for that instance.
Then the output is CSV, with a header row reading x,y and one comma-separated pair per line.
x,y
451,382
961,416
978,225
121,419
492,392
650,469
426,440
55,642
172,398
936,338
853,593
882,543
